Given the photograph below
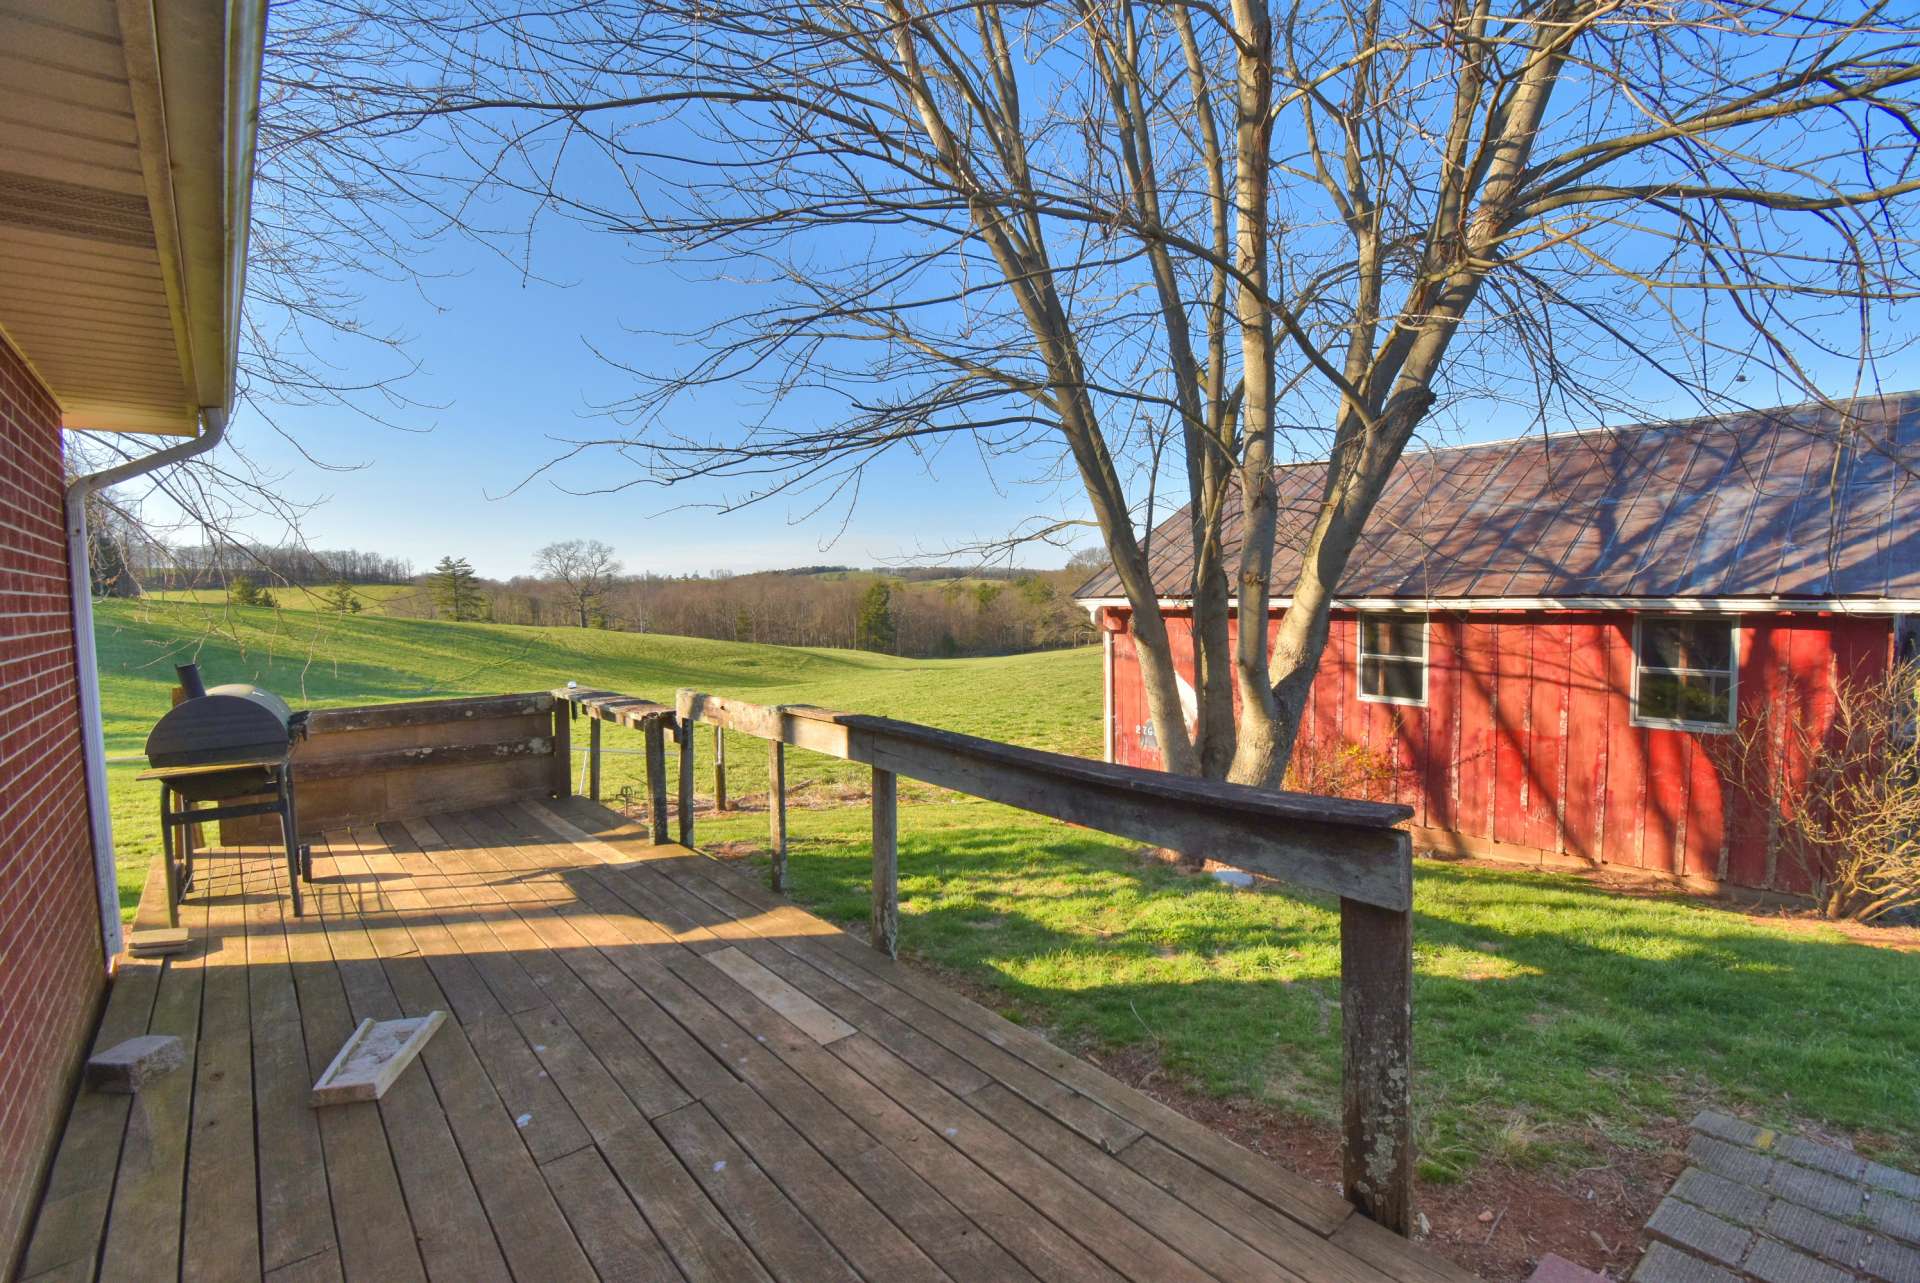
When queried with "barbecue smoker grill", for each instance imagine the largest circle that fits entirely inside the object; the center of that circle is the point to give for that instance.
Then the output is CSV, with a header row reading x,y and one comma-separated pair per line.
x,y
232,747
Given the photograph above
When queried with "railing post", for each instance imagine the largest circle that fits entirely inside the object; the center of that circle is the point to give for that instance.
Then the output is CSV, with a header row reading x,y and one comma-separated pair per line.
x,y
719,767
593,758
562,773
657,780
685,737
777,813
1376,1018
886,863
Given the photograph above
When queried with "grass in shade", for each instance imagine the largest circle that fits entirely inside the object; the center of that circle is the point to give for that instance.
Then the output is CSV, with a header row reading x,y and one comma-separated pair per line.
x,y
1551,1016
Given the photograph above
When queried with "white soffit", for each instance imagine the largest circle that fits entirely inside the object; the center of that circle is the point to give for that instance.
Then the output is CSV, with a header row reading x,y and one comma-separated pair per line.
x,y
120,184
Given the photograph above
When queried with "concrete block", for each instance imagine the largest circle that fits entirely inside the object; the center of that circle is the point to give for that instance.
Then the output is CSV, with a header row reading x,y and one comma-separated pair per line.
x,y
1895,1217
1893,1180
131,1065
1735,1162
1821,1235
1821,1192
1729,1200
1831,1159
1889,1262
1772,1262
1728,1128
1685,1225
1554,1268
1663,1264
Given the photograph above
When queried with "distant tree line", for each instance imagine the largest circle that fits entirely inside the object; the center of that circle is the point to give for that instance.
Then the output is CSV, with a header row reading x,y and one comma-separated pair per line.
x,y
925,612
922,611
158,567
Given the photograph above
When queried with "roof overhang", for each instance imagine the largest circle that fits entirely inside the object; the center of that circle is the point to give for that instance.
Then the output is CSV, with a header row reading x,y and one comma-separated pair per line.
x,y
126,166
1661,605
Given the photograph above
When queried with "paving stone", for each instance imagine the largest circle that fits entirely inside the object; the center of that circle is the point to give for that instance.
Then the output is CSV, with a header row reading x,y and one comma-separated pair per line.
x,y
1892,1179
1890,1262
1555,1268
126,1068
1729,1128
1821,1235
1735,1162
1729,1200
1772,1262
1833,1160
1685,1225
1663,1264
1821,1192
1894,1216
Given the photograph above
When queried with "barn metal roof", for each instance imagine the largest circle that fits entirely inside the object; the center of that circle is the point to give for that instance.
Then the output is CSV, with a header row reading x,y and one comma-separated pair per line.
x,y
1804,504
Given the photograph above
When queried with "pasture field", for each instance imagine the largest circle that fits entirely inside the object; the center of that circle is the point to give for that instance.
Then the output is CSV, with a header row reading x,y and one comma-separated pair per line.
x,y
1560,1024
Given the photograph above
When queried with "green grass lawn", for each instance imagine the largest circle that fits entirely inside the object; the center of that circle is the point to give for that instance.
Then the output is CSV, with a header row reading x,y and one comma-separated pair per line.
x,y
1551,1017
373,597
318,660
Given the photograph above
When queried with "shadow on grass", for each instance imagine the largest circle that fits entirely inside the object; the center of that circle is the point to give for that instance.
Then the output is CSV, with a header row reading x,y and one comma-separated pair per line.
x,y
1543,1008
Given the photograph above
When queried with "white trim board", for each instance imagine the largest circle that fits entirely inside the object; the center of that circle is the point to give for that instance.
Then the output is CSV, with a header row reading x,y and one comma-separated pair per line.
x,y
1662,605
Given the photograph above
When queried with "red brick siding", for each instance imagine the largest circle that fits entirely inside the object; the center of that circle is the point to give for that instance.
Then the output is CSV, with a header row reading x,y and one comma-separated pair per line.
x,y
50,966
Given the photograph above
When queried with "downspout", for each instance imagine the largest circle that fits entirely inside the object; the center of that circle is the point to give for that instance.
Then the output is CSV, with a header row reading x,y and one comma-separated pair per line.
x,y
93,735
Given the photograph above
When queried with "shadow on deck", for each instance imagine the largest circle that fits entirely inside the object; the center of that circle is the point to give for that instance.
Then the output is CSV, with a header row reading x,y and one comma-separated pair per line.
x,y
654,1069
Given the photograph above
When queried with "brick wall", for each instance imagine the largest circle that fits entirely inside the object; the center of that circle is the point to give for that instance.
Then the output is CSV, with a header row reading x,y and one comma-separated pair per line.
x,y
50,966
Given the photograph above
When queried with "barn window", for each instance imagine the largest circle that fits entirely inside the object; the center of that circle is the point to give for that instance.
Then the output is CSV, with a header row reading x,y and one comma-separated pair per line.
x,y
1393,658
1683,673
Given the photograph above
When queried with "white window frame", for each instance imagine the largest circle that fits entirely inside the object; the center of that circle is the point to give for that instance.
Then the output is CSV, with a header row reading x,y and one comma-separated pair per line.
x,y
1732,672
1360,656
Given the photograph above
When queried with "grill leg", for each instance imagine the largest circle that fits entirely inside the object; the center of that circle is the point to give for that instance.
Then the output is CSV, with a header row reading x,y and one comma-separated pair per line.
x,y
293,845
186,849
166,857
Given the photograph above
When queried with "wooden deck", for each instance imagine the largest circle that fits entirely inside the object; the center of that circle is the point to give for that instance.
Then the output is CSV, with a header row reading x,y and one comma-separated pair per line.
x,y
654,1069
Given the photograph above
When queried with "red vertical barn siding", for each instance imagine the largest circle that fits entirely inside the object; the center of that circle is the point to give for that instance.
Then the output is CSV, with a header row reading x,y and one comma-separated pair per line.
x,y
1512,707
1547,764
1474,803
1441,766
1526,745
51,975
1623,797
1587,701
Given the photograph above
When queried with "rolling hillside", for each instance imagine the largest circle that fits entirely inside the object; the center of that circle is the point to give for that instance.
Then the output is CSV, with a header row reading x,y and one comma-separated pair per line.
x,y
1049,700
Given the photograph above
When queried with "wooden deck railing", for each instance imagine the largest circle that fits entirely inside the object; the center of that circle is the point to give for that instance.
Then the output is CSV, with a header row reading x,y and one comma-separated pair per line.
x,y
1349,849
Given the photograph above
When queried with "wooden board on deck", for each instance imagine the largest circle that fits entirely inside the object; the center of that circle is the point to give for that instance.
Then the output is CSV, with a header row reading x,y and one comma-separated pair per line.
x,y
373,1057
623,1017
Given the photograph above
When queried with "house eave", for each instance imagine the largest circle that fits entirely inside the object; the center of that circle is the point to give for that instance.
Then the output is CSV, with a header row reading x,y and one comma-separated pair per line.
x,y
125,195
1709,605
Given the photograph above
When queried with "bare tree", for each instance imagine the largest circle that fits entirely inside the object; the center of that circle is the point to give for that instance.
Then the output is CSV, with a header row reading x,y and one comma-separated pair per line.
x,y
1152,242
585,568
1836,791
338,201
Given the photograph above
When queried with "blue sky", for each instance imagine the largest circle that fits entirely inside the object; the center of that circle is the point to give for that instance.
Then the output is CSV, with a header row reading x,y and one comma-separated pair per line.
x,y
506,367
507,374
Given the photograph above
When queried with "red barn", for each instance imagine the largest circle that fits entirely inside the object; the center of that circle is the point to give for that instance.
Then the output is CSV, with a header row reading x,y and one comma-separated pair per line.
x,y
1538,639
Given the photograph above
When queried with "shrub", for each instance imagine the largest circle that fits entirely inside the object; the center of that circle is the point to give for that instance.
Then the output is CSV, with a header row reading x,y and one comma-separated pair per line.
x,y
1840,796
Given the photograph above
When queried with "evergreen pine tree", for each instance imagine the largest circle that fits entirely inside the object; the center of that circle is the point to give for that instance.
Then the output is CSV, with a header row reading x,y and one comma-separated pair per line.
x,y
342,599
454,590
874,629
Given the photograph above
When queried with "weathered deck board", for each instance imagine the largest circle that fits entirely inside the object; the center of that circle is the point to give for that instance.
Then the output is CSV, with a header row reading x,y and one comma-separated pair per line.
x,y
654,1068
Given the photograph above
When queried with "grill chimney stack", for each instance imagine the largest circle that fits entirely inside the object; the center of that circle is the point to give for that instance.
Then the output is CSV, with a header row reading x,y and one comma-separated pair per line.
x,y
190,682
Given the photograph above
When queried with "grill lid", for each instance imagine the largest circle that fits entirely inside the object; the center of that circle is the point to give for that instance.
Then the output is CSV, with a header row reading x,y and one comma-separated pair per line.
x,y
228,723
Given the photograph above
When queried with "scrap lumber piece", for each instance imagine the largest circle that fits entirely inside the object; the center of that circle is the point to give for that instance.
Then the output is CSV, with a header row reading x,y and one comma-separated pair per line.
x,y
373,1057
159,940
